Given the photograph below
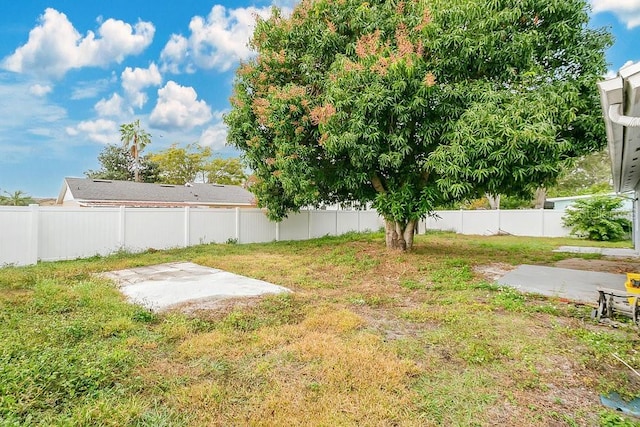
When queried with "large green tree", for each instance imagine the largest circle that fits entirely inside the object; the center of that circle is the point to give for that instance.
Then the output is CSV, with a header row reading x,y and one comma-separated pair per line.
x,y
225,171
117,163
588,174
414,104
135,139
179,165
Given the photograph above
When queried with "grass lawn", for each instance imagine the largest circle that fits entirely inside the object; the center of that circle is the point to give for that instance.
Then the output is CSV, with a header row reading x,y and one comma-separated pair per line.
x,y
368,337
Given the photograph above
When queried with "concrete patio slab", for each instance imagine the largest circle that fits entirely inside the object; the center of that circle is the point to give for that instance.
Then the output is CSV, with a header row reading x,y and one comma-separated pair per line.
x,y
162,286
573,285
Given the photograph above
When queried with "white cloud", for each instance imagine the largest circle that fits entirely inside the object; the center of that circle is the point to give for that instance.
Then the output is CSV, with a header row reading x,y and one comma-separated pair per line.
x,y
39,90
113,107
27,114
136,79
55,46
33,109
627,11
178,107
611,73
48,132
174,53
90,89
219,41
214,136
629,63
101,130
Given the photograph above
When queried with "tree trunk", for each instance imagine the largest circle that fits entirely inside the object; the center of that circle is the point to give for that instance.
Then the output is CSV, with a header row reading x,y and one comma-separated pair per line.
x,y
399,236
541,197
136,171
494,200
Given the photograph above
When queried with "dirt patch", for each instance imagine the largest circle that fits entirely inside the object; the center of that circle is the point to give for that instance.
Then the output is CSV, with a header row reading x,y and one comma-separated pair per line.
x,y
493,271
496,270
214,308
388,324
618,266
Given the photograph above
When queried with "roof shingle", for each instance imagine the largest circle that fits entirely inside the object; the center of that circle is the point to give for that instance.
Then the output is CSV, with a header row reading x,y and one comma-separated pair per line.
x,y
100,191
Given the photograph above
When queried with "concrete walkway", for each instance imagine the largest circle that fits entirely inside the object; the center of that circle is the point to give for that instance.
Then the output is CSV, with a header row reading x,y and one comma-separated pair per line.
x,y
162,286
572,285
613,252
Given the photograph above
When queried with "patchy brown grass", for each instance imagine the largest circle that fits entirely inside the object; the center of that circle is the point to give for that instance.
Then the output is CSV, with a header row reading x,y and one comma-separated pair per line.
x,y
368,337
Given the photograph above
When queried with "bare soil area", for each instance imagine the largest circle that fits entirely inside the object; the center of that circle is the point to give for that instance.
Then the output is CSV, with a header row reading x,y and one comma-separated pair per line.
x,y
496,270
607,265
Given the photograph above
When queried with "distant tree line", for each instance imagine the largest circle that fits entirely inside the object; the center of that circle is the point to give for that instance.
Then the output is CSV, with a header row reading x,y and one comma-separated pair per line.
x,y
174,165
15,198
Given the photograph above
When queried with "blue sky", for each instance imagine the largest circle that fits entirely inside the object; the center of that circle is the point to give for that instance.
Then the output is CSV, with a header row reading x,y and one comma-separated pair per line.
x,y
72,71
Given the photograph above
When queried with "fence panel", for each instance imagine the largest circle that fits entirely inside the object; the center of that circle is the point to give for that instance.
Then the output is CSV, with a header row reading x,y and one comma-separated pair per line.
x,y
28,234
255,227
157,228
553,226
445,221
295,226
370,221
520,222
481,222
348,221
209,227
16,230
77,232
323,223
525,222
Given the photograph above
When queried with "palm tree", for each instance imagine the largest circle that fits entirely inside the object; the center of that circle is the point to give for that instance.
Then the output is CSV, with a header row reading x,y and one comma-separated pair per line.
x,y
135,139
17,198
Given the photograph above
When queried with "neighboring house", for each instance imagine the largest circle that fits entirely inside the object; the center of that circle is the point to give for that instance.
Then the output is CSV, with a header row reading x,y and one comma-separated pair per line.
x,y
620,99
562,203
103,192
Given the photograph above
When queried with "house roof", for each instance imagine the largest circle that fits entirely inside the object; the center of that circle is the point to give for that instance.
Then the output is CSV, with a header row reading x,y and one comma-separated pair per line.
x,y
620,99
108,193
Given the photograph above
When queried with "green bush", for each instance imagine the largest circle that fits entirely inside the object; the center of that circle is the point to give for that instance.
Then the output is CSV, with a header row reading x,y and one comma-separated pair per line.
x,y
598,218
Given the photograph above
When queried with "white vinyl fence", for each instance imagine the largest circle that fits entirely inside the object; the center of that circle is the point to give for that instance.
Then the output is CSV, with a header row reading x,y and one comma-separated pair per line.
x,y
520,222
32,234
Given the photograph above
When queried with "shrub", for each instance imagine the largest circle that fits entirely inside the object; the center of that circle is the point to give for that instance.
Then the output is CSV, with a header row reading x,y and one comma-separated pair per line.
x,y
598,218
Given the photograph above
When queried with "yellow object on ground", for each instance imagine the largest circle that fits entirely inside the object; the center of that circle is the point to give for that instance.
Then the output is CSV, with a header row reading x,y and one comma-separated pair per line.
x,y
633,285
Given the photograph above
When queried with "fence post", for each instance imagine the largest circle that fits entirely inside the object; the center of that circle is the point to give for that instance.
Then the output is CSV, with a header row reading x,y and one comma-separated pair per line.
x,y
187,225
35,234
238,225
308,224
461,221
277,231
121,227
542,222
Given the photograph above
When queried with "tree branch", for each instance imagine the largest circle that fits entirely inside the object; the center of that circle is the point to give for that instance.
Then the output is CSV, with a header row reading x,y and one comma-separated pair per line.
x,y
377,184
